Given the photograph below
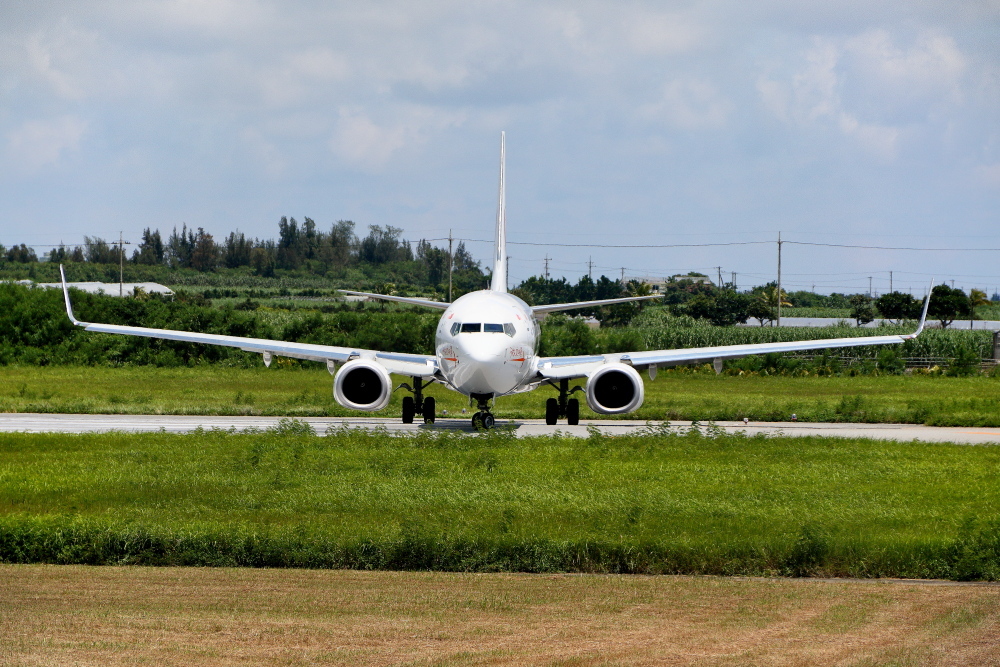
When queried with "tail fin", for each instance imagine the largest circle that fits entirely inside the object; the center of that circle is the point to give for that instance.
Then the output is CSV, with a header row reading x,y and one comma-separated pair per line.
x,y
499,283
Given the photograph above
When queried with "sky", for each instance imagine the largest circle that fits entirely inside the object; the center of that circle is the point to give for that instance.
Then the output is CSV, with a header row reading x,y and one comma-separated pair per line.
x,y
642,124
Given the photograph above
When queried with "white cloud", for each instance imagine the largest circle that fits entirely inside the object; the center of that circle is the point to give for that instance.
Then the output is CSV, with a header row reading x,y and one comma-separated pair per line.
x,y
690,104
659,34
359,141
41,143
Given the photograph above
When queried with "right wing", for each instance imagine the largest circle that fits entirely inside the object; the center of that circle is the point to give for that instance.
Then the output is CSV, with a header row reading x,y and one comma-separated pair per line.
x,y
553,307
420,365
440,305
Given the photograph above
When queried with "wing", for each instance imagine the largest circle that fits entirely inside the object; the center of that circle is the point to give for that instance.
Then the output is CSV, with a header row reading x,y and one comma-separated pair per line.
x,y
572,367
419,365
440,305
551,308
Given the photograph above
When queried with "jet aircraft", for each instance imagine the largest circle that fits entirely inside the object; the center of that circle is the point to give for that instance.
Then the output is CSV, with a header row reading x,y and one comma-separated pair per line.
x,y
486,346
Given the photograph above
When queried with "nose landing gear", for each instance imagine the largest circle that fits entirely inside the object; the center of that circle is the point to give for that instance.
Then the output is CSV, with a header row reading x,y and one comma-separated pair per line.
x,y
417,404
564,406
483,419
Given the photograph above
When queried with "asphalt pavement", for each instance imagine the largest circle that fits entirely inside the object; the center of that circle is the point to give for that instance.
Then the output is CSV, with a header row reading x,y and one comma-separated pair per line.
x,y
72,423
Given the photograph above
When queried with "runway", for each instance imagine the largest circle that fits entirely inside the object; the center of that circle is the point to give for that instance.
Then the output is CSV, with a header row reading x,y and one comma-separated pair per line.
x,y
73,423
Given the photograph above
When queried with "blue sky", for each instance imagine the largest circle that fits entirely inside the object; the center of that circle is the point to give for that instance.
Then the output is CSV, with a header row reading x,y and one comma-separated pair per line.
x,y
628,123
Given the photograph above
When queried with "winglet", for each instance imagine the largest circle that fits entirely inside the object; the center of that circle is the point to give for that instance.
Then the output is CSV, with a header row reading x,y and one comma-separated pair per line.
x,y
923,316
69,306
499,283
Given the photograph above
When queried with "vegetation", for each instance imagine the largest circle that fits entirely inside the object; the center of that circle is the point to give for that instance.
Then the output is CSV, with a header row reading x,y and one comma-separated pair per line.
x,y
666,501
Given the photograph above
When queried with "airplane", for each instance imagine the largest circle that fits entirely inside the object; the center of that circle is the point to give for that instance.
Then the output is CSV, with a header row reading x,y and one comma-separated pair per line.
x,y
486,346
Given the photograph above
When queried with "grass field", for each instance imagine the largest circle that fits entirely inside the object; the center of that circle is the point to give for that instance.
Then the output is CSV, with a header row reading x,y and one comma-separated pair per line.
x,y
679,394
661,502
208,616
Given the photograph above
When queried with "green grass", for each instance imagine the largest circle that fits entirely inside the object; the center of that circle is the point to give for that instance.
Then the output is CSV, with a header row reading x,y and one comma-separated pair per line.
x,y
678,394
658,502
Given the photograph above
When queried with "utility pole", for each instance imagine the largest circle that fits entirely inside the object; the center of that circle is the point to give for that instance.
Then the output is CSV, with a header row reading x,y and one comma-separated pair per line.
x,y
121,263
719,271
451,265
623,277
546,266
734,280
890,282
590,267
779,279
869,287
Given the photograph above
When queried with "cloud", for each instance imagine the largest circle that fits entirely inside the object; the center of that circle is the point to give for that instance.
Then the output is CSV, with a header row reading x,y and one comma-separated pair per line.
x,y
868,88
690,104
42,143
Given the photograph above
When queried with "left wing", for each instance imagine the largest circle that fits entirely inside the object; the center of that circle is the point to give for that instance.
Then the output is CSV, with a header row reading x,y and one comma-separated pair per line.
x,y
419,365
553,368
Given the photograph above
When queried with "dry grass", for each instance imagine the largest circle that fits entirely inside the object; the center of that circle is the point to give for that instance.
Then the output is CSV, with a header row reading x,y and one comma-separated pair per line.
x,y
57,615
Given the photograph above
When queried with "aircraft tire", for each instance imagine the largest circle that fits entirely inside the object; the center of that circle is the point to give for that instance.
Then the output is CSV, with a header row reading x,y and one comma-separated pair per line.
x,y
551,411
477,421
428,411
409,409
573,412
489,421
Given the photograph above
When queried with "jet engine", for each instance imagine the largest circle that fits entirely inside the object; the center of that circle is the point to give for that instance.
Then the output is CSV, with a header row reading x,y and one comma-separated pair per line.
x,y
361,384
614,389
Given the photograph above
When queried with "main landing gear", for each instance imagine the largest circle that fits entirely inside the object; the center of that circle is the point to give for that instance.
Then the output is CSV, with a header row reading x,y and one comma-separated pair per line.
x,y
417,404
483,419
564,406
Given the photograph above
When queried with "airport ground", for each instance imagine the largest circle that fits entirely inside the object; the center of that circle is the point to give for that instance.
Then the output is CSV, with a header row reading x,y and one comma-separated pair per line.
x,y
58,614
62,615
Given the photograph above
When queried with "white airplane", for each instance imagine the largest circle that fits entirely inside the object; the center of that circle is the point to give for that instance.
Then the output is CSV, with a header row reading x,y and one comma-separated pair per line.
x,y
486,346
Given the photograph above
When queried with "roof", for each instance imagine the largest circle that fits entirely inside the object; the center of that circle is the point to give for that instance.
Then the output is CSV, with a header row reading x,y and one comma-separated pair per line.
x,y
109,289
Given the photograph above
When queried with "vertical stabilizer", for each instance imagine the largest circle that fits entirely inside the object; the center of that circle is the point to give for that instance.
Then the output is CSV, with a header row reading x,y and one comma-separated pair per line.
x,y
499,283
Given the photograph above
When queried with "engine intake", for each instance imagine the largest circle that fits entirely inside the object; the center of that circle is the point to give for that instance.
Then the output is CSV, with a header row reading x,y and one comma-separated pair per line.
x,y
614,389
362,385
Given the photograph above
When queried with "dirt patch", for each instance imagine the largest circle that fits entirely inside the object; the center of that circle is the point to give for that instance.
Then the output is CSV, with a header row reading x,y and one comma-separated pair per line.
x,y
55,615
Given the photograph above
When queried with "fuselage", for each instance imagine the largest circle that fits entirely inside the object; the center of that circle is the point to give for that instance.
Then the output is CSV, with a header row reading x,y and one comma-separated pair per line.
x,y
486,343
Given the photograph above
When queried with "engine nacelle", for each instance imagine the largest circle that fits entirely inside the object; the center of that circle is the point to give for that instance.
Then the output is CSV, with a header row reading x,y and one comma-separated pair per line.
x,y
614,389
361,384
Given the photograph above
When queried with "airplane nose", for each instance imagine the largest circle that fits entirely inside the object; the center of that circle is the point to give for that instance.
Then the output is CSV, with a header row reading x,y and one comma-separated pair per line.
x,y
483,351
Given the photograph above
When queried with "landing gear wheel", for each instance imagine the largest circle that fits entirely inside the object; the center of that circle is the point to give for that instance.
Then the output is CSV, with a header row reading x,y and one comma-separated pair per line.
x,y
551,411
477,421
429,410
573,412
489,421
409,409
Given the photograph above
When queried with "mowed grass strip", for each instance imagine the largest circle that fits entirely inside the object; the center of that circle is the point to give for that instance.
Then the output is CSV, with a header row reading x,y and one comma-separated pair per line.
x,y
661,502
675,395
58,615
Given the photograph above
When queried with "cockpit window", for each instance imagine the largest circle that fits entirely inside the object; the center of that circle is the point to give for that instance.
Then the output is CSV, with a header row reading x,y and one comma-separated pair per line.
x,y
472,327
493,328
455,327
508,329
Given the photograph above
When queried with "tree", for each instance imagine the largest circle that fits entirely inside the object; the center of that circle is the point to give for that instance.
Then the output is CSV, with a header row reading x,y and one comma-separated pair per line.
x,y
724,308
204,254
236,250
150,249
977,297
99,251
21,253
862,309
898,306
767,298
947,303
